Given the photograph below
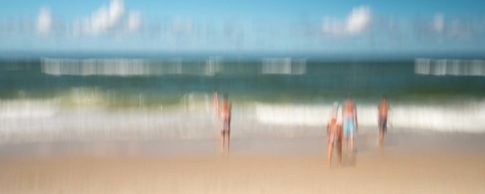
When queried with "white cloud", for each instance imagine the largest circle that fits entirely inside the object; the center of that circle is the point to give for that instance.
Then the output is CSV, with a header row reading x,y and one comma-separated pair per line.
x,y
103,19
356,22
359,19
134,21
44,21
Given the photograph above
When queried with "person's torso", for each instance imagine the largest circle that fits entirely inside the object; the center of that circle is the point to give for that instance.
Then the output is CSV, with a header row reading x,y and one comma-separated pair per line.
x,y
225,110
383,109
348,110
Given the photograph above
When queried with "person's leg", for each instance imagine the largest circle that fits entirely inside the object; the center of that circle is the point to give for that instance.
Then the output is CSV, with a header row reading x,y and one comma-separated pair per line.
x,y
228,140
330,148
382,130
351,143
346,134
228,133
339,150
353,134
329,154
351,138
379,126
223,136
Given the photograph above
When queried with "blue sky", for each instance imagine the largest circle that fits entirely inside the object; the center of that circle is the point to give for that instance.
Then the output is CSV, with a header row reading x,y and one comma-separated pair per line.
x,y
243,25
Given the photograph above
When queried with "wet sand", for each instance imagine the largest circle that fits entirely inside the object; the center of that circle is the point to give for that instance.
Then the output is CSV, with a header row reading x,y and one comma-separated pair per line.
x,y
410,163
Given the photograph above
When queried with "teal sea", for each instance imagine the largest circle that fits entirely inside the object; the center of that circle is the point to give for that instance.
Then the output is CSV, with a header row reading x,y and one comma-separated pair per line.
x,y
123,81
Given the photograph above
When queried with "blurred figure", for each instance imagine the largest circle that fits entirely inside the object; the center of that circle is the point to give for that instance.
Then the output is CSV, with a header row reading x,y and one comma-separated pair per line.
x,y
349,117
226,123
334,135
382,119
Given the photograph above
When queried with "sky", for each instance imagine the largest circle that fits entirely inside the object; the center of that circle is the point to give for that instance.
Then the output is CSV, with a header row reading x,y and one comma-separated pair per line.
x,y
243,25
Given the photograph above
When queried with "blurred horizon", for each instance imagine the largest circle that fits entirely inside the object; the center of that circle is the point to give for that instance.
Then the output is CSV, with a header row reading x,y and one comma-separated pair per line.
x,y
235,55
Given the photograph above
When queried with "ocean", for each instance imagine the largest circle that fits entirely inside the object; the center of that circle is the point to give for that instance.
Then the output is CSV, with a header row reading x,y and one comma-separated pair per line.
x,y
68,98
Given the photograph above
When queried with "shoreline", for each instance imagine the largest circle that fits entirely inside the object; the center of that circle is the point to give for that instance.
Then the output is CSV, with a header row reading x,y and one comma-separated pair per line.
x,y
398,140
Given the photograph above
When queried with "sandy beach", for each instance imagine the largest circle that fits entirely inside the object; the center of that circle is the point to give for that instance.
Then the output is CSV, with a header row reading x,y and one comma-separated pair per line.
x,y
410,163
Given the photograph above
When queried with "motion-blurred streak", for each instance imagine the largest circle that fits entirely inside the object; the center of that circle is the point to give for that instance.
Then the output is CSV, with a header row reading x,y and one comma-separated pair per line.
x,y
449,67
286,66
128,67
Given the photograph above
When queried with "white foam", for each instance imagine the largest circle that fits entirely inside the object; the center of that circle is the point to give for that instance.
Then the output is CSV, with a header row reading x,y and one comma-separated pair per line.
x,y
449,67
468,118
290,115
31,109
45,120
465,118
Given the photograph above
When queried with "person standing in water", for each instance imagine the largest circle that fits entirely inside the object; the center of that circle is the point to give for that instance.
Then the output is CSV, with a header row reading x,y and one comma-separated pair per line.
x,y
349,118
225,113
382,119
334,135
